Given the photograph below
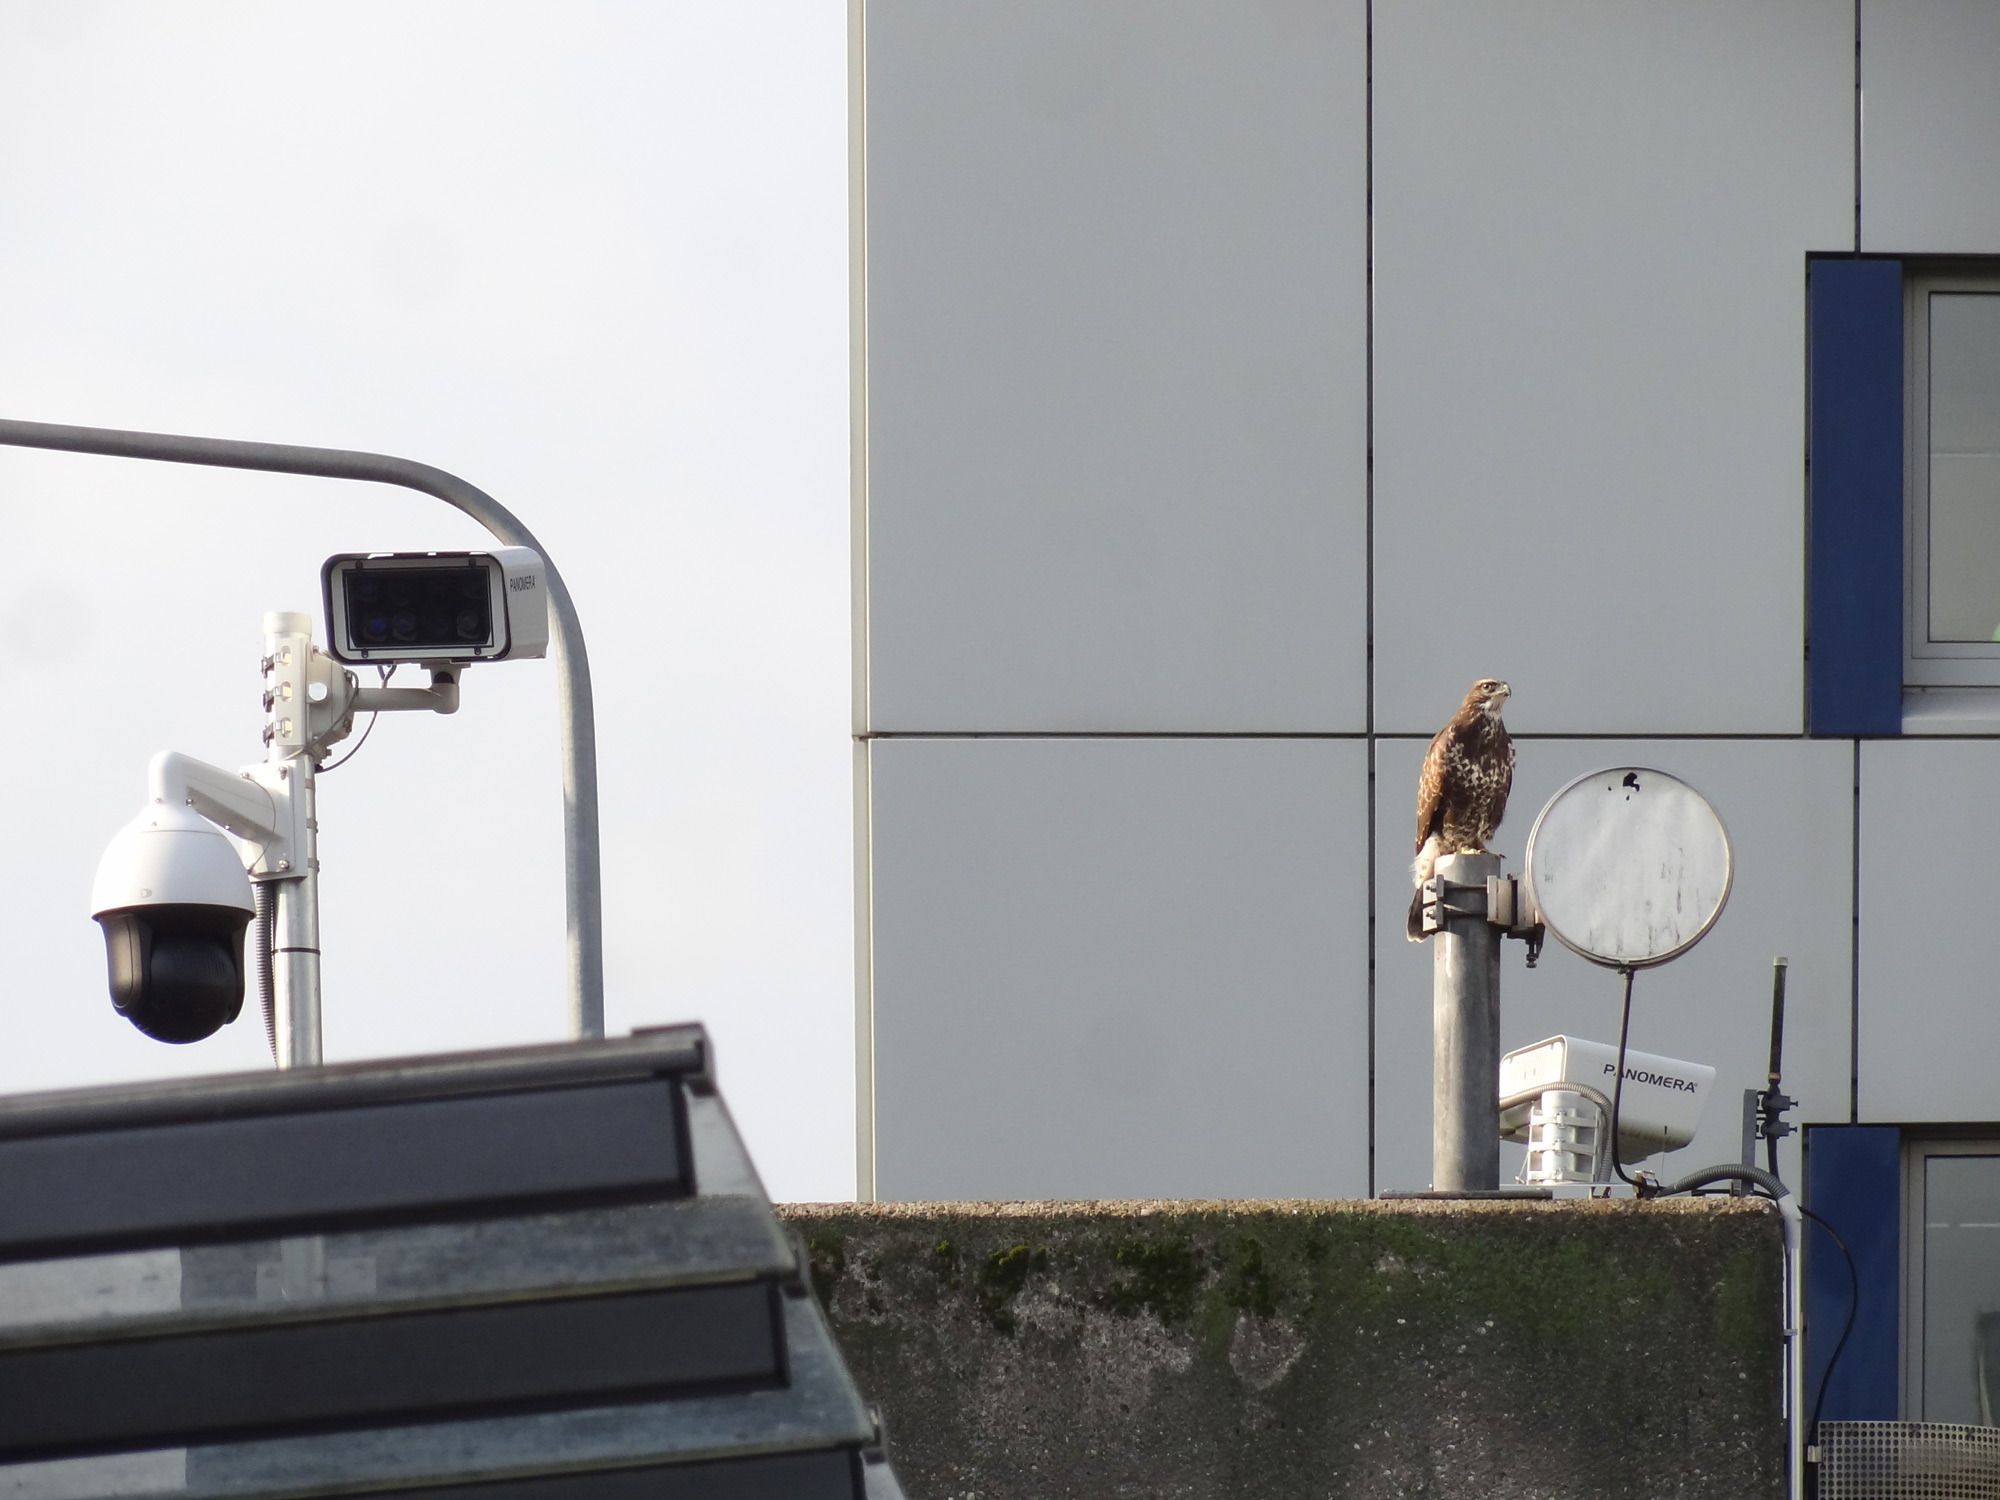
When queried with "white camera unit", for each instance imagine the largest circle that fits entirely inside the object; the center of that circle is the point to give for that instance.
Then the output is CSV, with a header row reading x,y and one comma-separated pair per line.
x,y
1556,1096
173,901
384,607
215,850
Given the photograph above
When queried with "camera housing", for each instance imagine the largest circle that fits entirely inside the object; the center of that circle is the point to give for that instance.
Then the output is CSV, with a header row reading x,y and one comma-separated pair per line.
x,y
385,607
1659,1109
173,901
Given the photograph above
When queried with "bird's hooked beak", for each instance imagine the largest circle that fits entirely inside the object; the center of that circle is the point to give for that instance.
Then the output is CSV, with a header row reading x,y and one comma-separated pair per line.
x,y
1499,696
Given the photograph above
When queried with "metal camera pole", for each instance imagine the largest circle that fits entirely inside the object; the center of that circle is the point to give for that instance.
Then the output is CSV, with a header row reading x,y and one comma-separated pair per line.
x,y
1465,1035
1470,906
290,886
583,886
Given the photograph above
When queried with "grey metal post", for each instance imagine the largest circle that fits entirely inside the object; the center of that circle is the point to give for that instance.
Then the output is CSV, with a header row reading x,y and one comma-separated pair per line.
x,y
295,971
583,886
1465,1035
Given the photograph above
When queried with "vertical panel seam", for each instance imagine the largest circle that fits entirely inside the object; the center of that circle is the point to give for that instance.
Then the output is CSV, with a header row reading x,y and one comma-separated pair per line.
x,y
857,437
1854,950
1805,509
1368,191
864,973
1857,127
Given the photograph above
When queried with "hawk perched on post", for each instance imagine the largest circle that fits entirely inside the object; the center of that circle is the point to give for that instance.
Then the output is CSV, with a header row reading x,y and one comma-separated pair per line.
x,y
1462,793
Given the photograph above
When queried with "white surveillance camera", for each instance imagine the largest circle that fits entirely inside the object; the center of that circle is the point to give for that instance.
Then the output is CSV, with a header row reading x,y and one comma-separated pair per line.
x,y
384,607
173,900
1659,1108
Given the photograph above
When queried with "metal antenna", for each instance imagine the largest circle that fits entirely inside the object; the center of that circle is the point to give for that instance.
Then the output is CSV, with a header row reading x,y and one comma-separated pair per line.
x,y
1778,969
1771,1104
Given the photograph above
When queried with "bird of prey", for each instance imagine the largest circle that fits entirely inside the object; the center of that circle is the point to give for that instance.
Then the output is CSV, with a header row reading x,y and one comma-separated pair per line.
x,y
1462,793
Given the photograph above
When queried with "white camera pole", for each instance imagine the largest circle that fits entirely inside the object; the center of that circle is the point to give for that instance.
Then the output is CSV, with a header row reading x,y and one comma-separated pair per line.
x,y
583,886
287,885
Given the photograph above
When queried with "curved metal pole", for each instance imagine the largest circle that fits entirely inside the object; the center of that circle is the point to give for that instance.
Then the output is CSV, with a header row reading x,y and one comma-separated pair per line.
x,y
583,886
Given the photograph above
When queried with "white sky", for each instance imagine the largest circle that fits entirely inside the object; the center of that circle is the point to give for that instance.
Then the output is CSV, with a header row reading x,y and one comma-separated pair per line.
x,y
592,257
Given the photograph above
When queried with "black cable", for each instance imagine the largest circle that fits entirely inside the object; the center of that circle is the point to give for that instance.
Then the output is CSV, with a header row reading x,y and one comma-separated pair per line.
x,y
1729,1171
385,673
1769,1182
1853,1306
1618,1093
264,899
336,765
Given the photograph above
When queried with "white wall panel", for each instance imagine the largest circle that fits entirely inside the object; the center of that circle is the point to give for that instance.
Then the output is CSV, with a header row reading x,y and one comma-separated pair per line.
x,y
1788,807
1591,228
1115,364
1930,991
1119,968
1930,126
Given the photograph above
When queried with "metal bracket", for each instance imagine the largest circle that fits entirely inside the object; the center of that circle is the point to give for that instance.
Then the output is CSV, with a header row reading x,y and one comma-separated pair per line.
x,y
1500,900
1511,905
1439,904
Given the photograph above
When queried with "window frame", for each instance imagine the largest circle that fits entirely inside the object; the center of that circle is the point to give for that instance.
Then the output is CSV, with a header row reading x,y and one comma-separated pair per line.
x,y
1931,664
1917,1152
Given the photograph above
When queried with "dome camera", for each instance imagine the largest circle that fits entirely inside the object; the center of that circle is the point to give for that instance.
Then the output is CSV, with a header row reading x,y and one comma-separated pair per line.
x,y
173,900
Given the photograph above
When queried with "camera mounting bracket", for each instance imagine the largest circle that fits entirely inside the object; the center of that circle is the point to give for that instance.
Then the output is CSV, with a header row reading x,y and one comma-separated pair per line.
x,y
254,806
1500,899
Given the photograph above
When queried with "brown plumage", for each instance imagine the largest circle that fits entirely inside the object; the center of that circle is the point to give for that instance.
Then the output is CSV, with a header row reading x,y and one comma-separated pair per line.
x,y
1462,793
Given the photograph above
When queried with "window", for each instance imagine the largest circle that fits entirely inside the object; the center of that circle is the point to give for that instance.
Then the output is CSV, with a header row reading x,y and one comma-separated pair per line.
x,y
1952,588
1951,1307
1903,496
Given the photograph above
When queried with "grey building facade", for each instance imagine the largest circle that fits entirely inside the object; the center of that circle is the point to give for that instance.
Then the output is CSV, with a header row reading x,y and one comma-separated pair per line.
x,y
1234,383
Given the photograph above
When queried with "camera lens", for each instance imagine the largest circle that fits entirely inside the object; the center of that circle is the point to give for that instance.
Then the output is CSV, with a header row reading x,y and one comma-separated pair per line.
x,y
176,971
405,611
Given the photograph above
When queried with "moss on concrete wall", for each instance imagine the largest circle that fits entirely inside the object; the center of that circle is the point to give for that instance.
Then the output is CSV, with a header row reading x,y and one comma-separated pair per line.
x,y
1593,1349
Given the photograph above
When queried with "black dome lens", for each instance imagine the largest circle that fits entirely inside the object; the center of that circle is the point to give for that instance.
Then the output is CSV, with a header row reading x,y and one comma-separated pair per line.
x,y
176,971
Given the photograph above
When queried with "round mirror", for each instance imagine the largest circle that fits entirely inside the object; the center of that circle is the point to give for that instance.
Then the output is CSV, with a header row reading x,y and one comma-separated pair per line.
x,y
1629,866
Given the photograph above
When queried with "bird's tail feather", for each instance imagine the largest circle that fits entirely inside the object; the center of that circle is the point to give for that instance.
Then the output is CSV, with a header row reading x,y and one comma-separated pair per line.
x,y
1421,869
1425,864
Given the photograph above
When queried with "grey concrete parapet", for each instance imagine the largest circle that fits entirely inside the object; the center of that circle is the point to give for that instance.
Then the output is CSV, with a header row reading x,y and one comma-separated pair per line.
x,y
1596,1349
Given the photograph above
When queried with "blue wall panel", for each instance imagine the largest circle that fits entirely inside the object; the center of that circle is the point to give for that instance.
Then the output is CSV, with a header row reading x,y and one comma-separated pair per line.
x,y
1854,1180
1854,678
